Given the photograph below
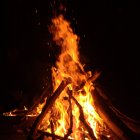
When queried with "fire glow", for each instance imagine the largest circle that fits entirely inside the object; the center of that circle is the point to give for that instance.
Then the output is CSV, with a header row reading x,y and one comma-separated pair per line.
x,y
73,114
76,108
69,66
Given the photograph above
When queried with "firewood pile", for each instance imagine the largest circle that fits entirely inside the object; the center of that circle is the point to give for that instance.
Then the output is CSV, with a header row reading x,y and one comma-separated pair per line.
x,y
118,129
76,108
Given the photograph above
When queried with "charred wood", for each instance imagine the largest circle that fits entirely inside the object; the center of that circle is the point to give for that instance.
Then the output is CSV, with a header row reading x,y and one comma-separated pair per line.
x,y
47,106
109,117
38,101
92,79
49,134
82,119
71,116
52,130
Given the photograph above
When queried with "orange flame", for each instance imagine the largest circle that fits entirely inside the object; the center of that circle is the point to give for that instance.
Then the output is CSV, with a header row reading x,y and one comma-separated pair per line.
x,y
68,65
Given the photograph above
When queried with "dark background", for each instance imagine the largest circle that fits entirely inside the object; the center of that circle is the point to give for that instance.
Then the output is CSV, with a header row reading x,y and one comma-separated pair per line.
x,y
109,42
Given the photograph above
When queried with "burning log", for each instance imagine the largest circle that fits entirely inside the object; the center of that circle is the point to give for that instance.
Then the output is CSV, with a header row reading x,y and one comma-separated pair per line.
x,y
37,102
109,117
82,119
132,124
90,79
71,116
50,135
94,77
47,106
52,130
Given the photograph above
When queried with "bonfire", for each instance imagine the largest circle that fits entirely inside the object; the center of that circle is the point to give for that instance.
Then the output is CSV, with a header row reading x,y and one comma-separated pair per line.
x,y
77,109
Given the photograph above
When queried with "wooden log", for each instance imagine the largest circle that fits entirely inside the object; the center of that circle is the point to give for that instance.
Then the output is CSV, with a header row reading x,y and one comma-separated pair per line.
x,y
49,134
47,106
94,77
71,116
37,102
133,125
52,130
109,117
82,119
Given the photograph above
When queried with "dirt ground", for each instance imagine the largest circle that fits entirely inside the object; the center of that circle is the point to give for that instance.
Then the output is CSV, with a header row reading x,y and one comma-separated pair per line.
x,y
12,128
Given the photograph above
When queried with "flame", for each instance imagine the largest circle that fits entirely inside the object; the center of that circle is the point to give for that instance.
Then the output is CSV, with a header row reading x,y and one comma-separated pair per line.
x,y
65,114
68,65
14,112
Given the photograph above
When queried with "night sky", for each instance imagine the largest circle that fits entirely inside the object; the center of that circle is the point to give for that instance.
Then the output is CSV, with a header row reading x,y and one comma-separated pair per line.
x,y
109,42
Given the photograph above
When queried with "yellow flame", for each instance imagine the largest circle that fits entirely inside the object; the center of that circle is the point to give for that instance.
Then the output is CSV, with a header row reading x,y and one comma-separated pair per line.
x,y
68,65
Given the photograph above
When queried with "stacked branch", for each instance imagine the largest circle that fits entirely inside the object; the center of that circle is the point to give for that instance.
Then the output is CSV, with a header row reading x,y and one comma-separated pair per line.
x,y
71,116
110,118
50,135
49,104
42,98
102,108
82,119
47,107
